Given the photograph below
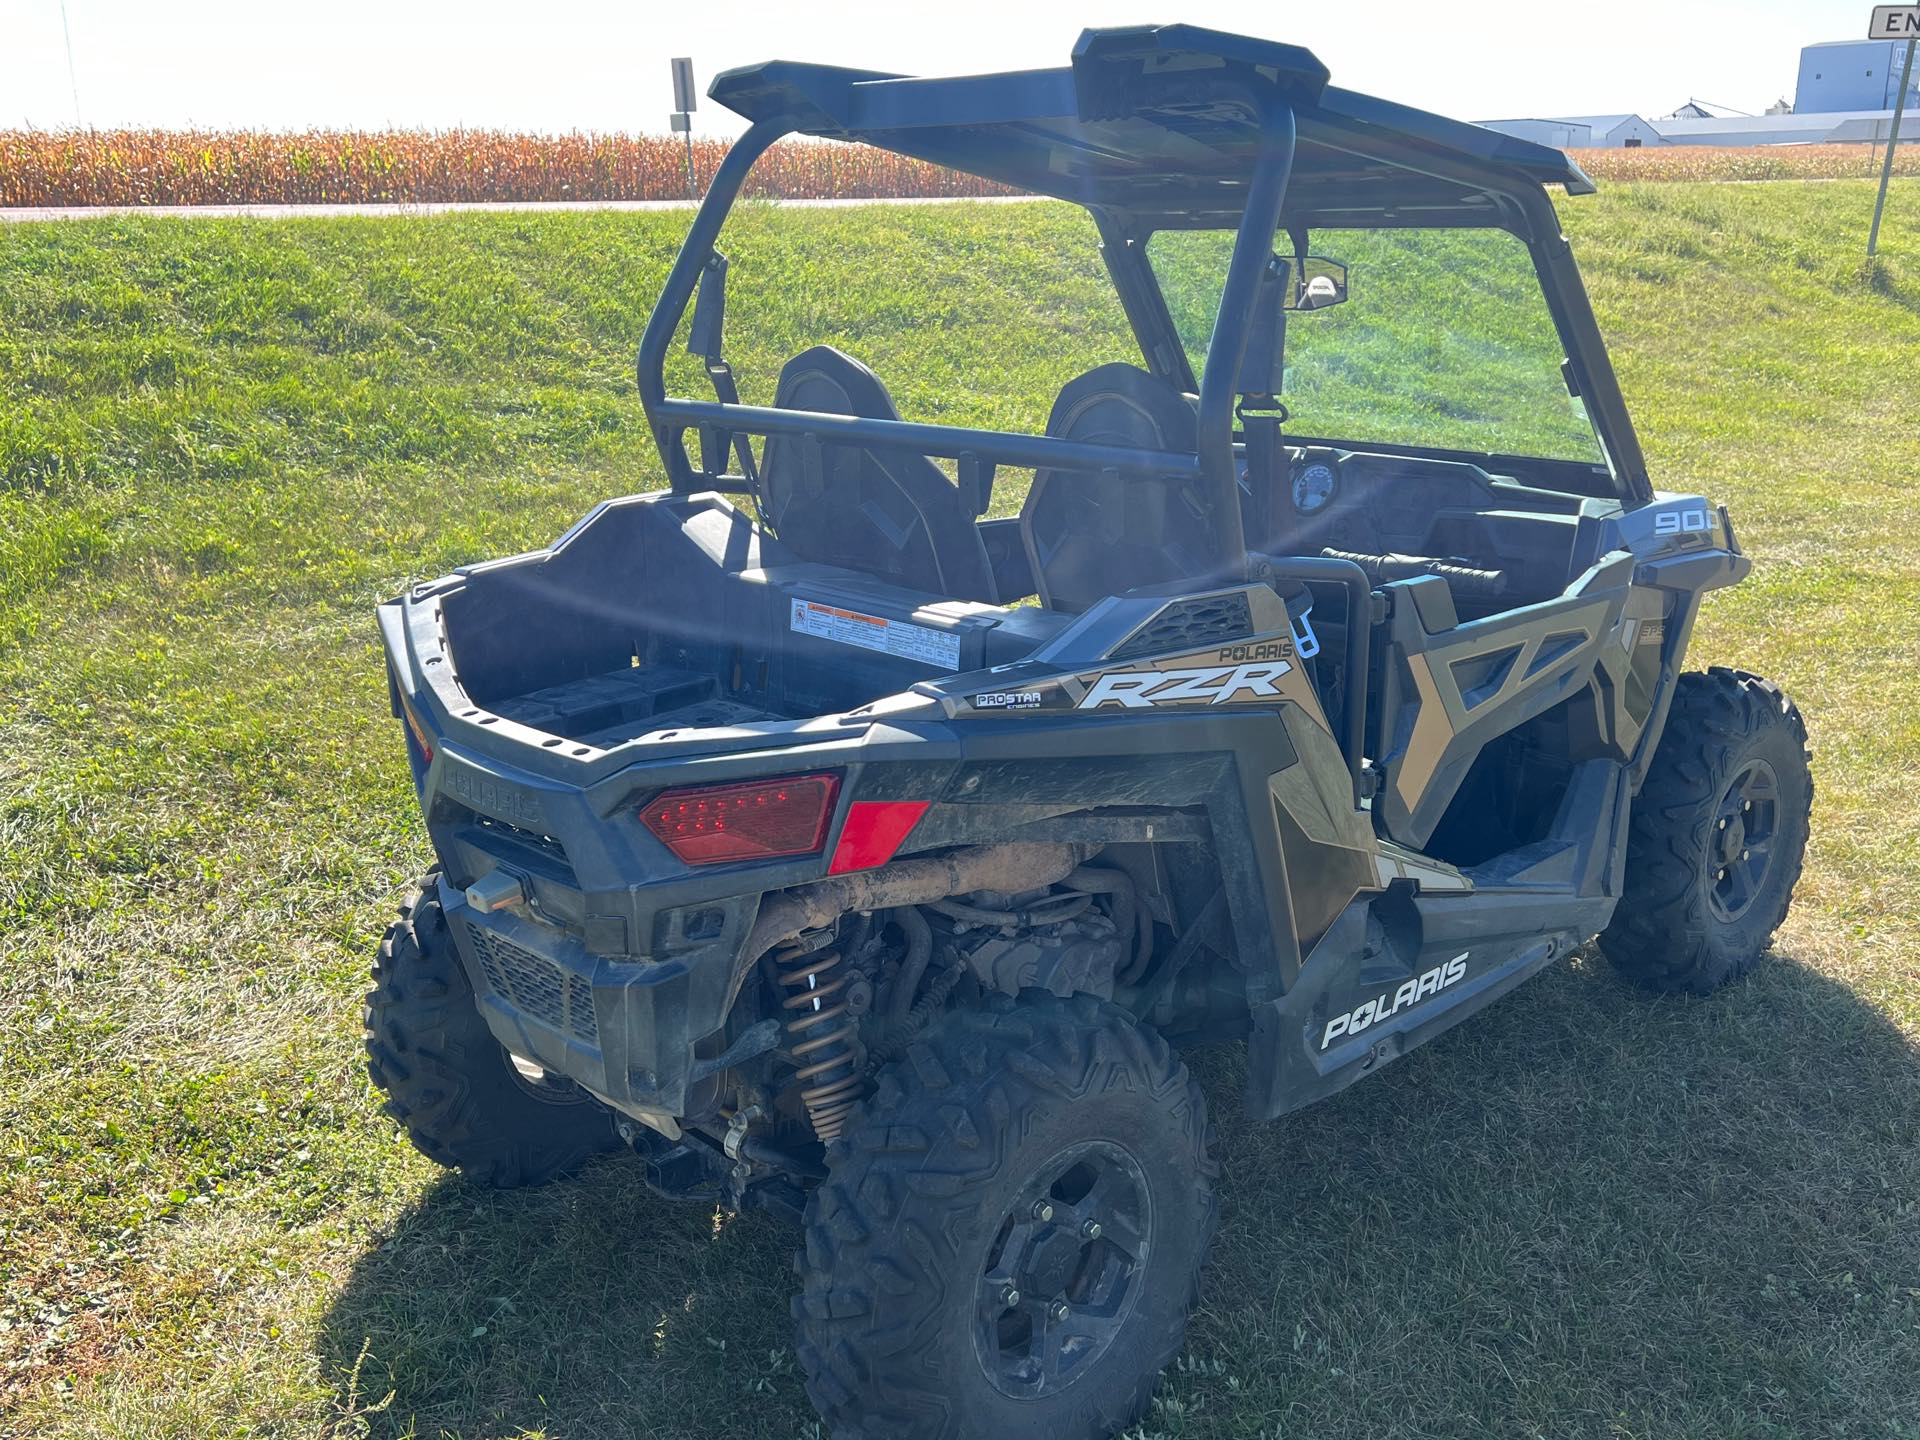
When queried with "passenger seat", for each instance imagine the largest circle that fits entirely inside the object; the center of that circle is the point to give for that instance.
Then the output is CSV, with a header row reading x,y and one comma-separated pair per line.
x,y
887,513
1091,534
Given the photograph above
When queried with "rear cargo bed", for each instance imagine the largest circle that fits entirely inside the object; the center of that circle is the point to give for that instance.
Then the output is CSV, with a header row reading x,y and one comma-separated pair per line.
x,y
622,705
658,615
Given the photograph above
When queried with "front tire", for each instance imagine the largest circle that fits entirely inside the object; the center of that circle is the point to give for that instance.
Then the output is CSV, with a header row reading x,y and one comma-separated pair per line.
x,y
454,1089
1011,1232
1718,835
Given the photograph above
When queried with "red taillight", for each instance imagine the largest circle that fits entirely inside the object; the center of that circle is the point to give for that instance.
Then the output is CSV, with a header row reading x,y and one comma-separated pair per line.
x,y
418,732
753,820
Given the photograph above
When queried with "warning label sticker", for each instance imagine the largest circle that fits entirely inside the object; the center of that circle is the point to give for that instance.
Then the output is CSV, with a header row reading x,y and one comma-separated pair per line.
x,y
874,632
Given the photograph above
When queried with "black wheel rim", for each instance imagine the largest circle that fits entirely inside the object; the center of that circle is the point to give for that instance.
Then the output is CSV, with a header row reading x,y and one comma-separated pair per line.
x,y
1740,847
1064,1271
542,1084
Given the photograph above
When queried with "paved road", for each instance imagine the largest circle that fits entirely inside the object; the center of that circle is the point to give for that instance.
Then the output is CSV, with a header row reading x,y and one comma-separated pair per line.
x,y
298,212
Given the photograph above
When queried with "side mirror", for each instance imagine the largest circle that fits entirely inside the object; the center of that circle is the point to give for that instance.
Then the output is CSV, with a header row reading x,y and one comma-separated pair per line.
x,y
1320,283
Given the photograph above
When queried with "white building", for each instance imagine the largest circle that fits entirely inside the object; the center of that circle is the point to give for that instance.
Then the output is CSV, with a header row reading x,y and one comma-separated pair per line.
x,y
1818,127
1853,75
1581,132
1856,75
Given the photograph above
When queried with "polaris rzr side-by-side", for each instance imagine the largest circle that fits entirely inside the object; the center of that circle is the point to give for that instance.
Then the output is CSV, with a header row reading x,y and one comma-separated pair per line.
x,y
842,850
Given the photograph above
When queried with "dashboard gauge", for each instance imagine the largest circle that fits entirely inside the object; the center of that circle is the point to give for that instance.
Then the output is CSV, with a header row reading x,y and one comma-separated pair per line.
x,y
1313,487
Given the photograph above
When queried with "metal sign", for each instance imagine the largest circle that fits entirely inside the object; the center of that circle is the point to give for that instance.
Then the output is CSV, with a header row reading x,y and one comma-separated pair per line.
x,y
1893,22
682,119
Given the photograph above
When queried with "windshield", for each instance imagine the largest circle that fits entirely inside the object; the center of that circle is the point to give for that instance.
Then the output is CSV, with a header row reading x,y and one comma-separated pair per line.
x,y
1444,341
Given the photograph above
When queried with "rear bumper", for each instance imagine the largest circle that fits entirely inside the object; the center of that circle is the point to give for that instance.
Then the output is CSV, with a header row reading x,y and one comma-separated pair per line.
x,y
624,959
625,1029
620,960
623,964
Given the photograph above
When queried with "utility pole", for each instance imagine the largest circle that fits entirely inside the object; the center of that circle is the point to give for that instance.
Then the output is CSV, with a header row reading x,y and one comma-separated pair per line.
x,y
1893,20
73,81
682,117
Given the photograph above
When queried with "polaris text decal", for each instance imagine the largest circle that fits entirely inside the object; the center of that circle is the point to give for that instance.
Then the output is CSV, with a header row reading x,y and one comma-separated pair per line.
x,y
1205,685
1383,1007
498,799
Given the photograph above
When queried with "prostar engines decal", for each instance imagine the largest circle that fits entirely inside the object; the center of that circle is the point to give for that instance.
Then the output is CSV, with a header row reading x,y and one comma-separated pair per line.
x,y
1007,700
1201,685
1383,1007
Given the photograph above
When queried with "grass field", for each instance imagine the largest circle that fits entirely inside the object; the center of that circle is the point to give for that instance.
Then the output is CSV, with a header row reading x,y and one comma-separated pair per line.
x,y
1589,1213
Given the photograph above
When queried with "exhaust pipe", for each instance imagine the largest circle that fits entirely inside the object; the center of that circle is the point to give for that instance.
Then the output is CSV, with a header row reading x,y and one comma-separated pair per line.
x,y
1008,868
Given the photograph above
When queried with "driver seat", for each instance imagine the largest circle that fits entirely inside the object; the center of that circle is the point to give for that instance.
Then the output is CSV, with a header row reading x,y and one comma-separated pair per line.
x,y
1091,534
887,513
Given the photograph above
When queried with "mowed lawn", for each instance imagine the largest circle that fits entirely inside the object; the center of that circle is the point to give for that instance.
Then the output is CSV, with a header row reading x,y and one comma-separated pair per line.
x,y
1590,1212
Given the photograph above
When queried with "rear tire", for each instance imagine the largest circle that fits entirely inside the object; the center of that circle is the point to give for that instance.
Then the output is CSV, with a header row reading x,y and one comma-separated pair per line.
x,y
1048,1147
454,1089
1718,835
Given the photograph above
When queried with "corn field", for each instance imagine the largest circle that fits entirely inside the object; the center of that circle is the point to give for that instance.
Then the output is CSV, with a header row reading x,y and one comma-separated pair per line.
x,y
1760,162
170,167
239,167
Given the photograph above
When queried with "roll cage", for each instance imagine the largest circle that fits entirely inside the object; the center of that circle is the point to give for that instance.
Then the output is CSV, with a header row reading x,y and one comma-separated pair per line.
x,y
1149,128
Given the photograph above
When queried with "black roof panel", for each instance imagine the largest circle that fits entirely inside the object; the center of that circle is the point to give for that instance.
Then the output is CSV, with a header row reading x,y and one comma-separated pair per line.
x,y
1158,121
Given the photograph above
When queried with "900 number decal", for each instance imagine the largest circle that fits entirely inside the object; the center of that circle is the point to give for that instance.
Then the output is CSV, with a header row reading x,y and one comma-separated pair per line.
x,y
1694,521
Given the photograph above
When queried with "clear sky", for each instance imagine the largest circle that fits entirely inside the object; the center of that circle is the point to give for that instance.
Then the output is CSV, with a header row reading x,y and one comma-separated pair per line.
x,y
594,65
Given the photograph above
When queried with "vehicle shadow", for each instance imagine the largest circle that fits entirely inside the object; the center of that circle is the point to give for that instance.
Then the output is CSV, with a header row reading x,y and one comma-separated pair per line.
x,y
1587,1212
584,1308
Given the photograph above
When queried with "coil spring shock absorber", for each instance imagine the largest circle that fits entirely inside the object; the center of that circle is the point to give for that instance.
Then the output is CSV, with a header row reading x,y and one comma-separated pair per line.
x,y
821,1034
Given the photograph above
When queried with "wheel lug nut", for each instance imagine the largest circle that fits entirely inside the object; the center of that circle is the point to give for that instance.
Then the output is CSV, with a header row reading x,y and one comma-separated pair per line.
x,y
1723,822
1746,804
1043,1211
1745,853
1090,1230
1009,1297
1057,1311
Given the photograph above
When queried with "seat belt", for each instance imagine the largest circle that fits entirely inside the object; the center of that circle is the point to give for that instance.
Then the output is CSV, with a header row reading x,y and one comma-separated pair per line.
x,y
1258,408
705,338
720,376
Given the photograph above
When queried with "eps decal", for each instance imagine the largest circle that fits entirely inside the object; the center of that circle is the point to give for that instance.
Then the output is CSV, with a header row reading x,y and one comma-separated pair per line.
x,y
1383,1007
1203,685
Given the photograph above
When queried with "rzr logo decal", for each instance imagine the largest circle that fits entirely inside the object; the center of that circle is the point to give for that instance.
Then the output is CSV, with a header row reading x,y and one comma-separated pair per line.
x,y
1383,1007
1206,685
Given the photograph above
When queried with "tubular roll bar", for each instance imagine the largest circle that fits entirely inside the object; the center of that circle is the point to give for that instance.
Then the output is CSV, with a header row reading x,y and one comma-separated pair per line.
x,y
950,441
650,367
1252,250
1213,462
